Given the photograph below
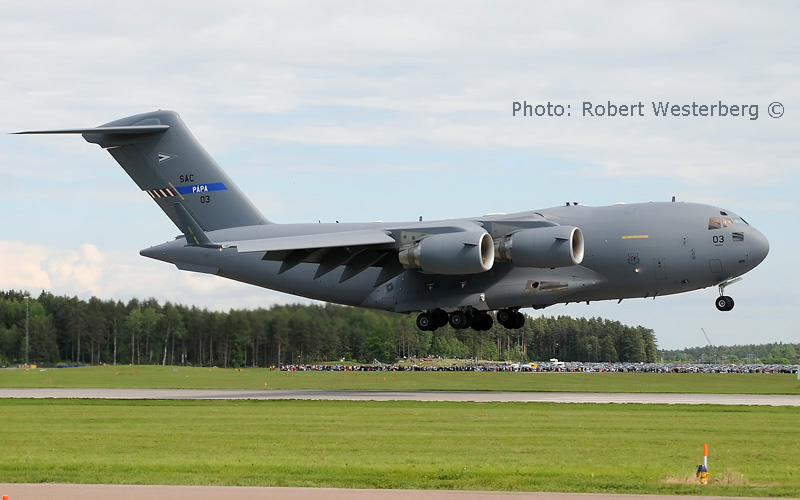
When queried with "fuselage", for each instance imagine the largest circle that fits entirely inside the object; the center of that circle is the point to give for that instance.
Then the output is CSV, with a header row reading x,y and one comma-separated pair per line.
x,y
631,250
453,271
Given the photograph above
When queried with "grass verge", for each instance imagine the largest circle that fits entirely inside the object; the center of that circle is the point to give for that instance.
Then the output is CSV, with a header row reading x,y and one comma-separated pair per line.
x,y
651,449
255,378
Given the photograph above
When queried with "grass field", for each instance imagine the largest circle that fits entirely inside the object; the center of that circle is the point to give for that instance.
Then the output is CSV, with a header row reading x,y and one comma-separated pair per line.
x,y
216,378
753,451
655,449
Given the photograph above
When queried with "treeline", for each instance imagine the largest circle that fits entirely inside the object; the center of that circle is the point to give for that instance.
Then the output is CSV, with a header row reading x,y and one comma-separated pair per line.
x,y
770,354
72,331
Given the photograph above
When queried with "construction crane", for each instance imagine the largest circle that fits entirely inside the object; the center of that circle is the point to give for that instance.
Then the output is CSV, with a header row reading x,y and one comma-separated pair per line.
x,y
707,339
710,346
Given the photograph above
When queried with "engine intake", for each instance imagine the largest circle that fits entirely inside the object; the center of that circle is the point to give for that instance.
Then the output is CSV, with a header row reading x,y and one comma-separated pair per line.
x,y
467,252
544,247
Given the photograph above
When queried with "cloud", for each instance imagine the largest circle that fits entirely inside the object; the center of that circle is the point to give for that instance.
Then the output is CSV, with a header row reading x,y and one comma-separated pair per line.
x,y
81,269
22,266
404,107
445,79
88,271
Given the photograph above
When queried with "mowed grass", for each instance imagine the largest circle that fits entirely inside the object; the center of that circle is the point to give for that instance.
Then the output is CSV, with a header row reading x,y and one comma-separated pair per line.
x,y
654,449
217,378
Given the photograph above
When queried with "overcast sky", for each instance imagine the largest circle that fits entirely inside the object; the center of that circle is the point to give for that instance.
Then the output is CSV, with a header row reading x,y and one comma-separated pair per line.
x,y
392,110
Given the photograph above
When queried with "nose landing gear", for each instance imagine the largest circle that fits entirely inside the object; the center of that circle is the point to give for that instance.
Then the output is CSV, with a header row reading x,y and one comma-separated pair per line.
x,y
723,302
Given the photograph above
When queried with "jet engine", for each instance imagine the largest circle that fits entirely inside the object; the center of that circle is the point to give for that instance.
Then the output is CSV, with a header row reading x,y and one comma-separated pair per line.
x,y
466,252
544,247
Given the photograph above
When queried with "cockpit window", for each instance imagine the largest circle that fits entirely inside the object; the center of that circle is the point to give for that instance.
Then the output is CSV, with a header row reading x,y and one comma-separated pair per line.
x,y
720,222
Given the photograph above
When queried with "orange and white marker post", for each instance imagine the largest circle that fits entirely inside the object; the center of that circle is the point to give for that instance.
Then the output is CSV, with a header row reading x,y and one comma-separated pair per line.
x,y
702,469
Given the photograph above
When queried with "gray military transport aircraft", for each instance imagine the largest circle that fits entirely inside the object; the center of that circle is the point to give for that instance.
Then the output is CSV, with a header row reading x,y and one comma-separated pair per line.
x,y
450,271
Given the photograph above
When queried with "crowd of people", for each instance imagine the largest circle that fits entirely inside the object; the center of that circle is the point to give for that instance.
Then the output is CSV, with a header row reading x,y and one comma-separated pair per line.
x,y
546,366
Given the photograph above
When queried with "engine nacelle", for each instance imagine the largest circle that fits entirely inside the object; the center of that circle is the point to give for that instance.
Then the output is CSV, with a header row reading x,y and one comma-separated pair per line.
x,y
466,252
544,247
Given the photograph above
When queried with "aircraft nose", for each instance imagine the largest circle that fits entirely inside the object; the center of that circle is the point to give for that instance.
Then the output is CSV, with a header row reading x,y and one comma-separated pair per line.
x,y
759,246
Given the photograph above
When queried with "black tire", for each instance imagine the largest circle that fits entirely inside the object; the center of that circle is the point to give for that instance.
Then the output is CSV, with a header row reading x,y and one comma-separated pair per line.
x,y
520,320
440,318
504,317
729,304
472,315
425,322
724,303
458,320
485,322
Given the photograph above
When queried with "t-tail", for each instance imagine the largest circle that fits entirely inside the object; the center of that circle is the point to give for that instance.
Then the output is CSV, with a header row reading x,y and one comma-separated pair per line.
x,y
164,159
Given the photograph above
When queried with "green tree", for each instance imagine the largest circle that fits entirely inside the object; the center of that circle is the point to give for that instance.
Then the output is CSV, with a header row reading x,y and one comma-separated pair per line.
x,y
608,352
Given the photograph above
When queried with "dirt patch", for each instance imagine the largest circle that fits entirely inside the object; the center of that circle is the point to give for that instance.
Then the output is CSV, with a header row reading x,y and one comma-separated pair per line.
x,y
729,477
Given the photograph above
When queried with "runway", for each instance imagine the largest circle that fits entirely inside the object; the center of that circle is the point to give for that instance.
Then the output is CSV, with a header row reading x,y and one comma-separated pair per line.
x,y
136,492
456,396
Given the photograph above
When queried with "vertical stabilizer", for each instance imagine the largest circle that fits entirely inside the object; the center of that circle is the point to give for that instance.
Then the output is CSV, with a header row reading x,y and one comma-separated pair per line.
x,y
173,168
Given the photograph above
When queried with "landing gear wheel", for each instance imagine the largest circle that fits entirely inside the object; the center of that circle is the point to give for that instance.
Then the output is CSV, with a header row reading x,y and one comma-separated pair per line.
x,y
519,320
440,318
505,317
459,320
472,316
425,322
483,322
724,303
510,318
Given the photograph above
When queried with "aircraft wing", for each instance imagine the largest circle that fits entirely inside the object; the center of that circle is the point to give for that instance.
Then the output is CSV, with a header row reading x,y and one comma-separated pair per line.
x,y
313,241
357,250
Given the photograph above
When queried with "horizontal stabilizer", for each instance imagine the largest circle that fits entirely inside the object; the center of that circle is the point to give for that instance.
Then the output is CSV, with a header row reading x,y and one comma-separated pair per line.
x,y
324,240
134,129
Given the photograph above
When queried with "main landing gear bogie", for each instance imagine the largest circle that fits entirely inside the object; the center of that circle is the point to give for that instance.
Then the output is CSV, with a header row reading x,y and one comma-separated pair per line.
x,y
469,318
431,320
510,318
